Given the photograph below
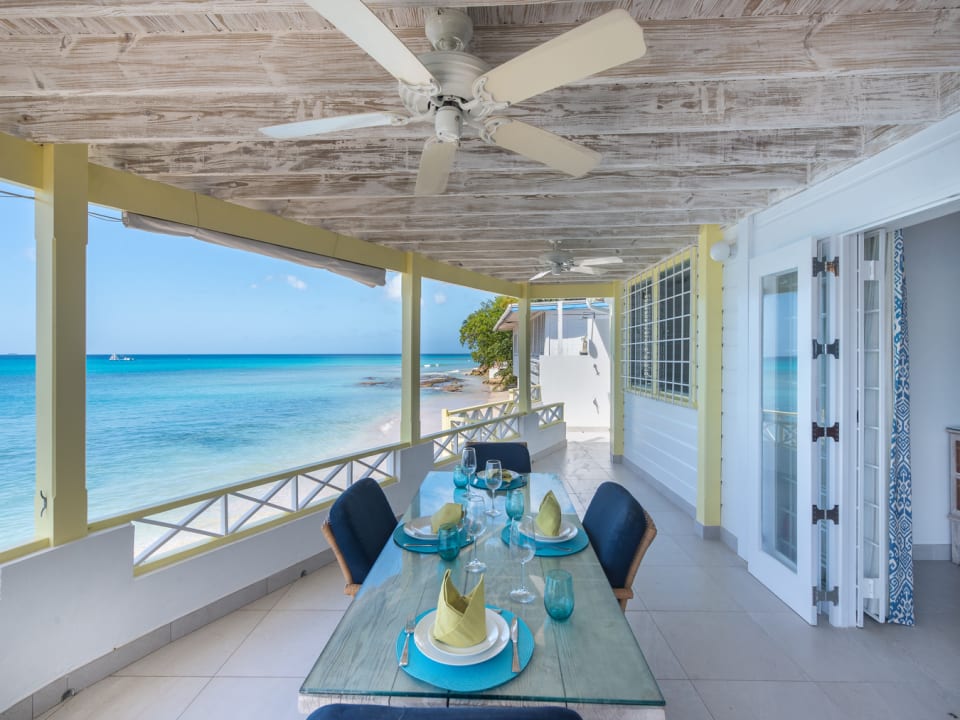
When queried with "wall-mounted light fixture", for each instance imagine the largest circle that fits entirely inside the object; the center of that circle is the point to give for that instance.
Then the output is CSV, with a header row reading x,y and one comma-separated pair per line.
x,y
723,251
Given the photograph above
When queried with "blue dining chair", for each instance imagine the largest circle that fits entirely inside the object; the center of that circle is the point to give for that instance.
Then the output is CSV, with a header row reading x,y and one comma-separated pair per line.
x,y
387,712
359,525
620,531
512,455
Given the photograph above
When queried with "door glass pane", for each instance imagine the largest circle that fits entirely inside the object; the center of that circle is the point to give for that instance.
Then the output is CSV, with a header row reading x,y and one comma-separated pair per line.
x,y
778,465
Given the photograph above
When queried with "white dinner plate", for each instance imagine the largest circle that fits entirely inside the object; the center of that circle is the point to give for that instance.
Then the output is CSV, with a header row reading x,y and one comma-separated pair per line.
x,y
421,527
568,531
498,635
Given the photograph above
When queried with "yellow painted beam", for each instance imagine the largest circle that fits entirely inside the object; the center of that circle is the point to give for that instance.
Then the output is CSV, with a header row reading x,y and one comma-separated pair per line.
x,y
124,191
523,337
61,234
562,291
467,278
21,161
709,351
410,289
616,372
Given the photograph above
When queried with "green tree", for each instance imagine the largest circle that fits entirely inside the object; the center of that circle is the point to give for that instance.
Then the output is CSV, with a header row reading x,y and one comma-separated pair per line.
x,y
488,347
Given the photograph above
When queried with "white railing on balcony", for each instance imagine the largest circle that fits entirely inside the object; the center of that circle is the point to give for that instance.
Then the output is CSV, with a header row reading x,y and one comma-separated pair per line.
x,y
488,411
173,530
199,522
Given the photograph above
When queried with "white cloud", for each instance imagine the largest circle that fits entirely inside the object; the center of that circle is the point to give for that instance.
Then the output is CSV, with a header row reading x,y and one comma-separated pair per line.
x,y
253,286
296,283
30,253
393,288
439,298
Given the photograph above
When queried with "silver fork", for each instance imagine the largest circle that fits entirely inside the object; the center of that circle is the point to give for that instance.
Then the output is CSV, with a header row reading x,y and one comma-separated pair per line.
x,y
408,629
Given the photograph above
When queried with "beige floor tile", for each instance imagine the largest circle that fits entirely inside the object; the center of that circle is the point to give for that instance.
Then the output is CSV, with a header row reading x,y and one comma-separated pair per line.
x,y
708,552
836,654
724,646
664,550
320,590
745,589
683,701
681,588
660,658
285,644
246,699
202,652
268,601
893,700
766,701
129,698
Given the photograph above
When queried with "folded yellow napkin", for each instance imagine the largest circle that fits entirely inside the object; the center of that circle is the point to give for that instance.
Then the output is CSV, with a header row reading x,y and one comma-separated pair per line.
x,y
548,519
461,619
449,513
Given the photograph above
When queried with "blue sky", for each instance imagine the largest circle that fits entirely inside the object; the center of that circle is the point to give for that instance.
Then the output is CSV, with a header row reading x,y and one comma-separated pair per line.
x,y
149,293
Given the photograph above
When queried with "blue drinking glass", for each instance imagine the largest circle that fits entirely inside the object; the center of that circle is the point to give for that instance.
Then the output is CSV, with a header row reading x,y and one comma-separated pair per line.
x,y
558,594
514,504
460,477
448,541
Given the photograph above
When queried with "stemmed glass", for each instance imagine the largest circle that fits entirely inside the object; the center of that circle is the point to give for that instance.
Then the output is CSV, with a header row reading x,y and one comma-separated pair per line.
x,y
523,547
468,460
476,521
514,504
493,478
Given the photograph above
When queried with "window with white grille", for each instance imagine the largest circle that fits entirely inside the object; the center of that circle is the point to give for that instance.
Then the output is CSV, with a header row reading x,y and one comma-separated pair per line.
x,y
659,328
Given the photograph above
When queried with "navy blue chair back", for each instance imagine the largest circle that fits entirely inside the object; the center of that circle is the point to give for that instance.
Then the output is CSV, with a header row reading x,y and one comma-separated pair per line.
x,y
454,712
512,455
620,531
361,521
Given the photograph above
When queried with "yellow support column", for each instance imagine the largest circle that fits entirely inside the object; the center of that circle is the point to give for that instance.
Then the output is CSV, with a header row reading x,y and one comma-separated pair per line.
x,y
523,372
709,351
410,362
61,234
616,373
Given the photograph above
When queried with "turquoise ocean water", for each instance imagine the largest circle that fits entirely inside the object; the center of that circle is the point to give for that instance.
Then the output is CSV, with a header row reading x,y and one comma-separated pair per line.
x,y
164,426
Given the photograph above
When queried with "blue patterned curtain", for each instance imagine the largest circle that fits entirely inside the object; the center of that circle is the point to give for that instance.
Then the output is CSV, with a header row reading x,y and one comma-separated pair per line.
x,y
901,484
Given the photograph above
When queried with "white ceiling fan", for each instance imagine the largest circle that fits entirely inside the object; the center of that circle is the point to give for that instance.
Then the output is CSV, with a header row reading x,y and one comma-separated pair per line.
x,y
563,261
453,88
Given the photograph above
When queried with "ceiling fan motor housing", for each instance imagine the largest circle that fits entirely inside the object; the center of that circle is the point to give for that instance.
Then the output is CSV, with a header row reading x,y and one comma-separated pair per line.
x,y
455,73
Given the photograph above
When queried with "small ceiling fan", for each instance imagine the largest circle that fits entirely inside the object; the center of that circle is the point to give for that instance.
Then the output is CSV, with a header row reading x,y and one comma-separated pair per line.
x,y
453,88
563,261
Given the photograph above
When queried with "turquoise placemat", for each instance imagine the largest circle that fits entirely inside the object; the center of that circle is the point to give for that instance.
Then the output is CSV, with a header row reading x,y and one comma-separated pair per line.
x,y
469,678
568,547
518,482
420,545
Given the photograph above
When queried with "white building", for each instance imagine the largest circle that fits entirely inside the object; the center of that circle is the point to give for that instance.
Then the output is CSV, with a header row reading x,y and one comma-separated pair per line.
x,y
569,357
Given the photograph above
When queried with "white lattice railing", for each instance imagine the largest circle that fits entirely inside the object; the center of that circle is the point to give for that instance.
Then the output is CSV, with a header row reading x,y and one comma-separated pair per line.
x,y
488,411
447,444
170,530
549,415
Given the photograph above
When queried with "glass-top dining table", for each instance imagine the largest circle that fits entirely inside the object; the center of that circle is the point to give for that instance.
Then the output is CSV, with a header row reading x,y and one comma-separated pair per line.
x,y
590,662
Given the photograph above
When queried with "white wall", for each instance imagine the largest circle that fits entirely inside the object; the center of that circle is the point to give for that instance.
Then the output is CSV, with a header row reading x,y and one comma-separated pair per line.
x,y
932,263
582,384
913,176
661,439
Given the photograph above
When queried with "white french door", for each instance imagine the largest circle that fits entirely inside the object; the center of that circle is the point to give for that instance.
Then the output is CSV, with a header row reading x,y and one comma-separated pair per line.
x,y
782,548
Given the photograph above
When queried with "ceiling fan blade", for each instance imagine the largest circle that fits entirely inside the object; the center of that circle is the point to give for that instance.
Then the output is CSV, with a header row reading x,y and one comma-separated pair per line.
x,y
586,270
539,275
545,147
305,128
605,42
611,260
357,22
435,164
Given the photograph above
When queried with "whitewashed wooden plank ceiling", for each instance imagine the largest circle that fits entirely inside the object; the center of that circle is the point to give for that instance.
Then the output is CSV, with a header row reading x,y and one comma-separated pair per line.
x,y
736,104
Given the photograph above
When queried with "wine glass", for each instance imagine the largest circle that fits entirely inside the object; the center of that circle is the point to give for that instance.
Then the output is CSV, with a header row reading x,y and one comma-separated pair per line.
x,y
514,504
493,478
476,521
468,460
523,547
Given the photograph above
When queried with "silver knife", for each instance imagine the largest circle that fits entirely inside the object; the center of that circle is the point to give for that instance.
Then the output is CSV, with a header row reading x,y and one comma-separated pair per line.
x,y
514,633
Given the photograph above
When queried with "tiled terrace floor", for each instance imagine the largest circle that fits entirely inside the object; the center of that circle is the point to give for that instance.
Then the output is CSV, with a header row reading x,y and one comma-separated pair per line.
x,y
720,645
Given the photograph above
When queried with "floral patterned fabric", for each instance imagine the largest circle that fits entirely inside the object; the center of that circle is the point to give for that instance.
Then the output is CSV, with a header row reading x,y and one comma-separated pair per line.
x,y
901,485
